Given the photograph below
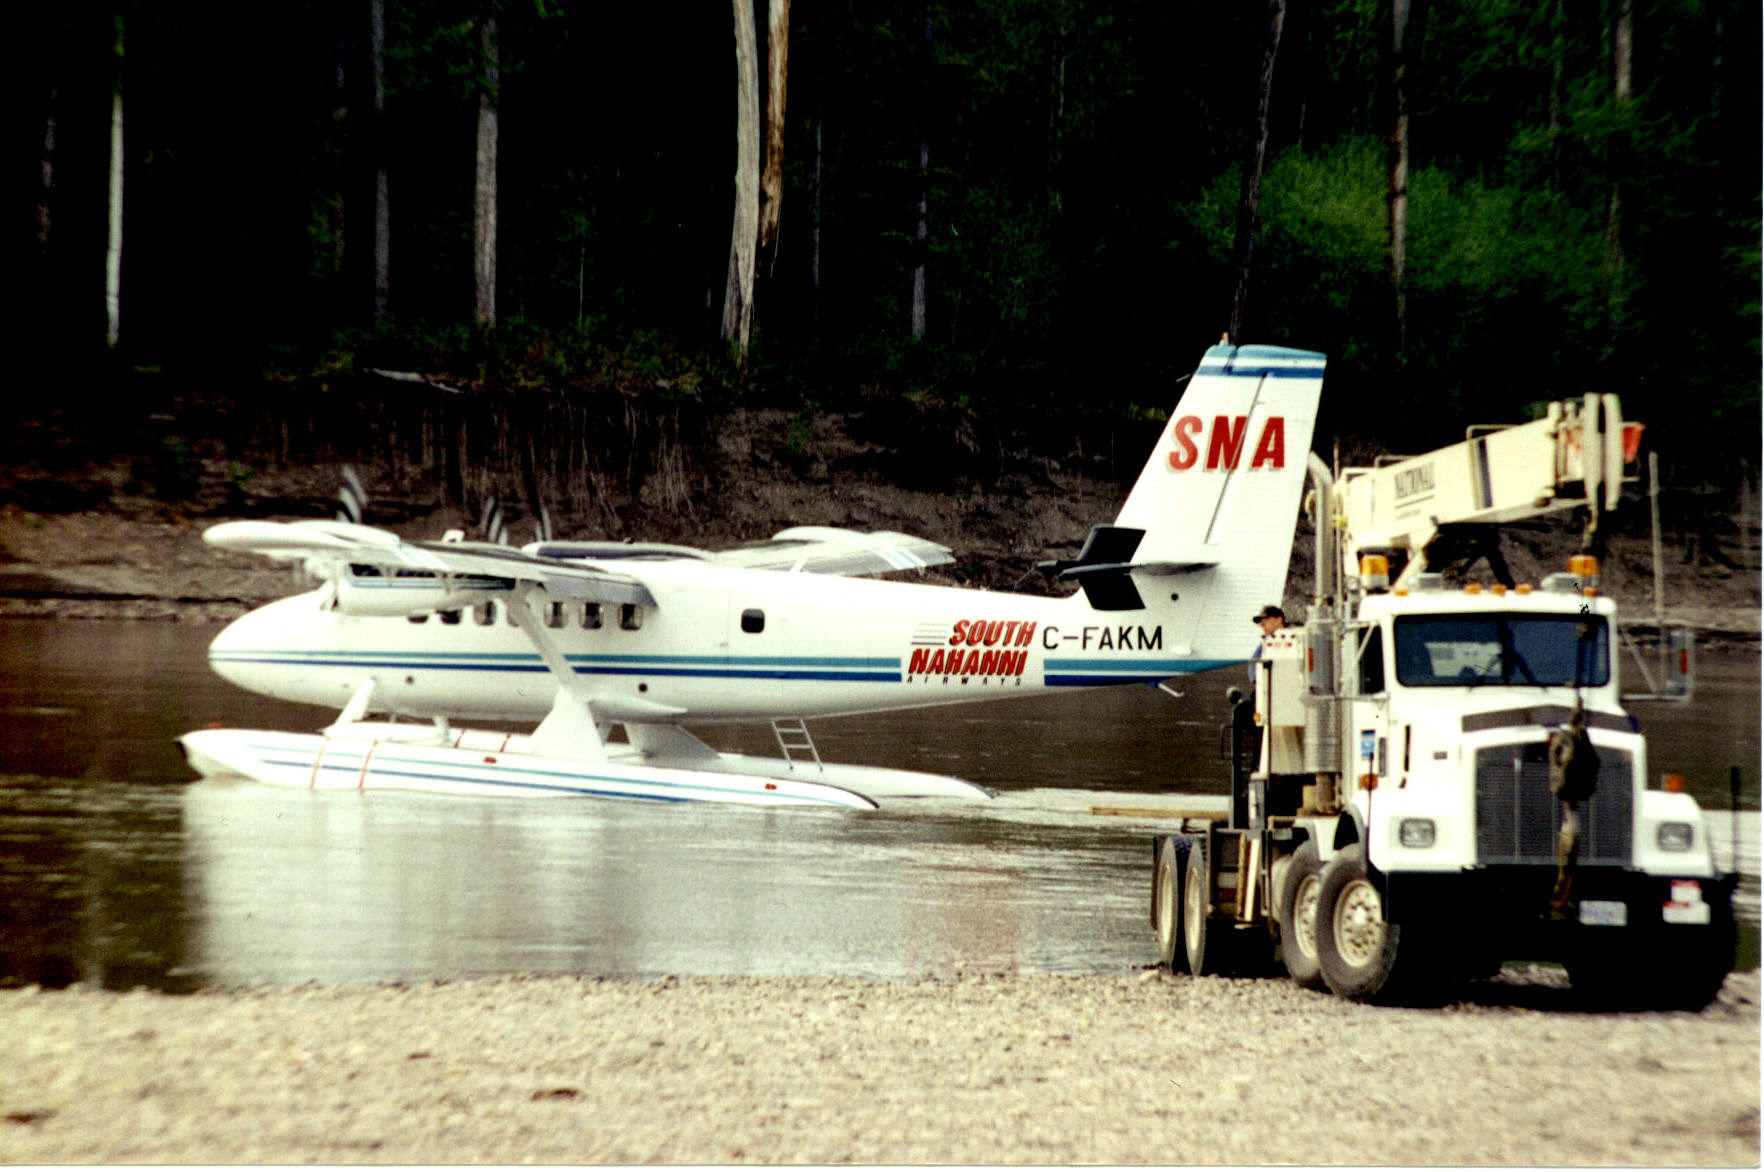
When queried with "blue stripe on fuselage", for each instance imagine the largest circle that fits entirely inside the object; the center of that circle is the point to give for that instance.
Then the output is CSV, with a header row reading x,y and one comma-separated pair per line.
x,y
782,668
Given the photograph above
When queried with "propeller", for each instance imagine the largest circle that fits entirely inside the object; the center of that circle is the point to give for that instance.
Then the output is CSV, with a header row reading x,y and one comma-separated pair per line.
x,y
491,526
352,496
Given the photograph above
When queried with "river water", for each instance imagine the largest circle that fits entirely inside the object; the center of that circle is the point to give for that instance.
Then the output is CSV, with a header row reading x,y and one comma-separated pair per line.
x,y
119,869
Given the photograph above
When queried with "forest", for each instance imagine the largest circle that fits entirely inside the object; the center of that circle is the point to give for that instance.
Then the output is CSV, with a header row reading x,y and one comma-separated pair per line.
x,y
997,207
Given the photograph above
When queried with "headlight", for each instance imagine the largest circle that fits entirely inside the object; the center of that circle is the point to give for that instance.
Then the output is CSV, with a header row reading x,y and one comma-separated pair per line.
x,y
1416,833
1675,836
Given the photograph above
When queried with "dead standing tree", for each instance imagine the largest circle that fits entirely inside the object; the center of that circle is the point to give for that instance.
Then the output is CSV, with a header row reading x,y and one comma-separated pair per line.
x,y
484,200
744,235
1252,173
772,177
1399,174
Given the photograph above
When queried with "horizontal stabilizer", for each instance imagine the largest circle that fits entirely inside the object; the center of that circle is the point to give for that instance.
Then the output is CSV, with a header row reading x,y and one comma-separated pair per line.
x,y
1104,564
1108,587
1106,546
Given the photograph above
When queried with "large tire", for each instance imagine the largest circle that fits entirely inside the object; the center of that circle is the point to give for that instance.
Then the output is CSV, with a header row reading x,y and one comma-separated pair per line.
x,y
1298,917
1357,949
1208,943
1167,903
1202,960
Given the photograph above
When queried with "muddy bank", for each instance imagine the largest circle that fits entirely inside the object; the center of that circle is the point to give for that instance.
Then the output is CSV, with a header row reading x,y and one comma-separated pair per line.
x,y
108,540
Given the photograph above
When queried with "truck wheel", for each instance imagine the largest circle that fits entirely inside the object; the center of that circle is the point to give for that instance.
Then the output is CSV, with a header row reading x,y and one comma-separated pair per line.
x,y
1356,948
1298,918
1167,904
1210,943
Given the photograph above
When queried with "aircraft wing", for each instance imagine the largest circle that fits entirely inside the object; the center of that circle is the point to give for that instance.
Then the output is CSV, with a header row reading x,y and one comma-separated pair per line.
x,y
328,545
818,549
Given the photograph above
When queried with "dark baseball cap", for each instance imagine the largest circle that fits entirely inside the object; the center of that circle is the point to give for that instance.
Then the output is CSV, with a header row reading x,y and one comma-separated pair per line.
x,y
1269,612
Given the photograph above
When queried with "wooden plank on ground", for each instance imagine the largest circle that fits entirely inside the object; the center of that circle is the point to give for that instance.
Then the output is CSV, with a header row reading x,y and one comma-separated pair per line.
x,y
1153,812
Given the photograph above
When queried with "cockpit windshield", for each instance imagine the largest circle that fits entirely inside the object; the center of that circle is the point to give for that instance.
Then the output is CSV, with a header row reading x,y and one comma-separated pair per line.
x,y
1437,651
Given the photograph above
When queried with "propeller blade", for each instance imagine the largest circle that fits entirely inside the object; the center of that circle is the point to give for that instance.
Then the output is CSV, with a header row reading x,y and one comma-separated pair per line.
x,y
352,496
491,525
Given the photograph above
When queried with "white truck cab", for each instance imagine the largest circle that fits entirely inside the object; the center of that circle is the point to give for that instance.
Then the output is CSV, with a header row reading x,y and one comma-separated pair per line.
x,y
1429,780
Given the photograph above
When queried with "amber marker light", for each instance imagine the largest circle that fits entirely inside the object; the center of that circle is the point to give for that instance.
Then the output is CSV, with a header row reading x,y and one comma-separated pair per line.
x,y
1585,567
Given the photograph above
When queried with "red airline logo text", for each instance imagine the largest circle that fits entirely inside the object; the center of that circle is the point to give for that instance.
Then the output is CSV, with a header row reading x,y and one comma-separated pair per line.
x,y
975,648
1225,442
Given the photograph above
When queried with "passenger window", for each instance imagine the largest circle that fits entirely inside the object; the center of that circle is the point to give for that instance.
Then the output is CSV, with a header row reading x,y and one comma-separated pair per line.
x,y
484,613
630,616
591,616
753,620
450,617
555,615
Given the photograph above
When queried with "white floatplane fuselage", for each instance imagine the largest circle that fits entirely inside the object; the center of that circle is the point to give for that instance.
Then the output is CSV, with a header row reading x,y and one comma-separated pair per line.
x,y
746,646
581,638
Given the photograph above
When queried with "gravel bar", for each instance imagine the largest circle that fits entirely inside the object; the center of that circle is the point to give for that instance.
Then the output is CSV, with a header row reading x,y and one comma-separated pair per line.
x,y
973,1070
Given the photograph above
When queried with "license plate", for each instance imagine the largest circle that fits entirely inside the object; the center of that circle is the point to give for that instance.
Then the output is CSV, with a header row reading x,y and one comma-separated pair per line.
x,y
1604,913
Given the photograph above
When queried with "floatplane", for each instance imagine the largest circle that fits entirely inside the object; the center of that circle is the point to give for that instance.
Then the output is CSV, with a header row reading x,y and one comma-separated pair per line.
x,y
407,637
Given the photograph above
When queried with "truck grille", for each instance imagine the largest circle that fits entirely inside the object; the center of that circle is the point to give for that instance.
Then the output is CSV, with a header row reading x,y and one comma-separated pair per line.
x,y
1518,818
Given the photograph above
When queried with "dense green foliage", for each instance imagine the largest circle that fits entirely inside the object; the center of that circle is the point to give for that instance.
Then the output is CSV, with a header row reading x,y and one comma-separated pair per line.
x,y
1084,175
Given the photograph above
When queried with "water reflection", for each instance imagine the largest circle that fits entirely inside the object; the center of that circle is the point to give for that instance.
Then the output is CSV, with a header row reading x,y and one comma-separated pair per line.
x,y
115,868
287,884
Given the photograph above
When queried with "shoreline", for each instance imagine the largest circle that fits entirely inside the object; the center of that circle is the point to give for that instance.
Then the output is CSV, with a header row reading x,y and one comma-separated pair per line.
x,y
983,1070
147,566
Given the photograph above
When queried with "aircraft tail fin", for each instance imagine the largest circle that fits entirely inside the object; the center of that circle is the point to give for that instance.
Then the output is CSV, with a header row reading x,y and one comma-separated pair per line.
x,y
1212,515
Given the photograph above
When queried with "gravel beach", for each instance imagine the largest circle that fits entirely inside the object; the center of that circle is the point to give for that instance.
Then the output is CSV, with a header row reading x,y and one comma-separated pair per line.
x,y
992,1070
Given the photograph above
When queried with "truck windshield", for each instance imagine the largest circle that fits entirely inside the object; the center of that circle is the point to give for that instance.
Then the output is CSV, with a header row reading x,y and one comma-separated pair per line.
x,y
1437,651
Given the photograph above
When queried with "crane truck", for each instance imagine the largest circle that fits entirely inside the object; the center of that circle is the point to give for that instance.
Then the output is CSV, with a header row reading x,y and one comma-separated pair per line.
x,y
1427,781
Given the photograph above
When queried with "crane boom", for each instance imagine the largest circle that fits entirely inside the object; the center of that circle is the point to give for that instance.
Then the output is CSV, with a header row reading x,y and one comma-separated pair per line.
x,y
1576,456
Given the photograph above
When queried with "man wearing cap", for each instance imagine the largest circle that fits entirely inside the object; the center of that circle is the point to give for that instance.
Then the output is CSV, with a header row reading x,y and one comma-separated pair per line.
x,y
1270,619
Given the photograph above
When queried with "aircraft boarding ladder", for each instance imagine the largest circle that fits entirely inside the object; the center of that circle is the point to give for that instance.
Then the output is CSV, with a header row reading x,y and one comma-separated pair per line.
x,y
794,741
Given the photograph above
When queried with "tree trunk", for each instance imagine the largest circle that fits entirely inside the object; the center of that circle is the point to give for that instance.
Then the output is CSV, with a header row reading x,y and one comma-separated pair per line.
x,y
921,238
484,204
331,189
815,217
46,192
744,235
1616,262
772,178
1399,174
113,246
1252,172
922,233
1558,71
382,189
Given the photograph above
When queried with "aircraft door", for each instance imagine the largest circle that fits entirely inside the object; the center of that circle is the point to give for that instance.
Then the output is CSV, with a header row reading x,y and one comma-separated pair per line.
x,y
758,650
